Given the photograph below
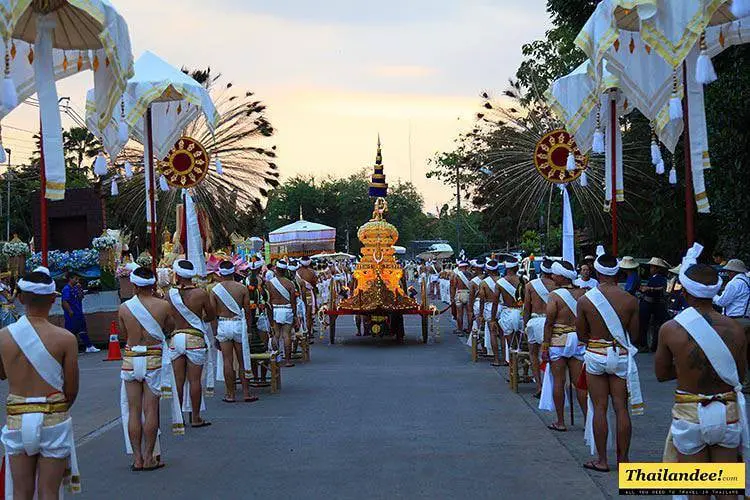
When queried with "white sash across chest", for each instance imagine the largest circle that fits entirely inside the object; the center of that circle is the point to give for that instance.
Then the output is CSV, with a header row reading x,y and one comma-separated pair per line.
x,y
541,289
32,347
610,317
508,287
492,284
227,299
144,317
189,316
568,298
281,289
462,277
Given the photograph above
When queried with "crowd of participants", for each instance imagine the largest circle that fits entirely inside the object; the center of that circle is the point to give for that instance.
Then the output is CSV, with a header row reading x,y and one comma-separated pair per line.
x,y
178,342
585,326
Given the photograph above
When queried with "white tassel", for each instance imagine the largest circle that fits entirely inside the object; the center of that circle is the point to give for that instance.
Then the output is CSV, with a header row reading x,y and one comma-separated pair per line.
x,y
740,8
113,189
123,132
10,95
219,167
704,69
675,107
597,146
163,183
655,153
660,167
100,165
672,176
570,164
584,180
128,170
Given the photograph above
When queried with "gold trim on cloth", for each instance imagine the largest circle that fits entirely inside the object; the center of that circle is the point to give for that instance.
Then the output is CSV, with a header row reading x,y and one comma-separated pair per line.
x,y
153,357
193,338
55,410
600,346
560,335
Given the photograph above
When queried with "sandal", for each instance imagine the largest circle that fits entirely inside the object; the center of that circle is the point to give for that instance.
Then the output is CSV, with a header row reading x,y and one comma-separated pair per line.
x,y
592,466
251,399
228,400
156,466
558,428
204,423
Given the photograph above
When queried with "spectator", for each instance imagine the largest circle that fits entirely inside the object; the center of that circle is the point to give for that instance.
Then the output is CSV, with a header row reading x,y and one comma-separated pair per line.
x,y
719,258
653,303
675,298
72,303
629,266
586,281
735,298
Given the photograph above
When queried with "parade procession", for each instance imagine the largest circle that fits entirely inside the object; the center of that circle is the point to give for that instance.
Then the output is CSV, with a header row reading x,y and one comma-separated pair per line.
x,y
446,249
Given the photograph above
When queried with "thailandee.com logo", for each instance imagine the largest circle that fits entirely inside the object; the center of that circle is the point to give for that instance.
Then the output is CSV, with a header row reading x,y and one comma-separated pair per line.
x,y
682,479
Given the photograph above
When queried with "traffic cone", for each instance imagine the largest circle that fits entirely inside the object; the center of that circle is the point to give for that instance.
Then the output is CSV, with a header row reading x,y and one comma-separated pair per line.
x,y
113,352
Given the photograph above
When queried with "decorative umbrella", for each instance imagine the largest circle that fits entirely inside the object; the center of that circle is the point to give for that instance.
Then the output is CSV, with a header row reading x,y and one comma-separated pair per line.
x,y
301,238
437,251
158,103
684,33
72,25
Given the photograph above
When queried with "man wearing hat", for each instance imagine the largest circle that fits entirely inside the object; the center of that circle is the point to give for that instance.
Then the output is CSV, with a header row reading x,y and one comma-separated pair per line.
x,y
632,280
735,298
653,303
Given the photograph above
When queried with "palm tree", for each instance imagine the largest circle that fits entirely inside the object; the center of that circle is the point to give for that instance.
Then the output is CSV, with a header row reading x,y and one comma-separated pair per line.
x,y
232,201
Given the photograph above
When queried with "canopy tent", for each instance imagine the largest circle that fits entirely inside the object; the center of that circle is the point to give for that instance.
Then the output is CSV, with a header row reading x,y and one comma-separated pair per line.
x,y
301,238
437,251
334,256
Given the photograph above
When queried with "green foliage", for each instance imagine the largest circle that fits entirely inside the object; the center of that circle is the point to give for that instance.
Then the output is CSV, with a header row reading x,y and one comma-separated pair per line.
x,y
531,242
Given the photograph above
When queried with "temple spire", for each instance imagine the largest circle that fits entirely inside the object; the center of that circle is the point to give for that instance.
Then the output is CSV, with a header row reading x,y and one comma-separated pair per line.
x,y
378,186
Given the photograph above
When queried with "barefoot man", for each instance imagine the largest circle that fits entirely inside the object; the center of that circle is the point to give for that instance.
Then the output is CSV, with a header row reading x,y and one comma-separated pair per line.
x,y
460,284
705,351
561,348
308,283
534,314
281,297
476,319
231,301
506,308
488,294
191,306
143,320
40,362
605,316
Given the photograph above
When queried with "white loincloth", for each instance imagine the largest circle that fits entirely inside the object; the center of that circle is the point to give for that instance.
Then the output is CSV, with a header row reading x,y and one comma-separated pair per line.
x,y
462,297
510,320
140,371
695,425
194,349
611,363
571,349
535,328
283,314
230,329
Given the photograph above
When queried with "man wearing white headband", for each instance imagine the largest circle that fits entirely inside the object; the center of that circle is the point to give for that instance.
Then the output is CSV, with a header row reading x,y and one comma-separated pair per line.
x,y
534,314
281,294
476,318
143,320
259,324
706,352
231,301
488,296
40,361
191,307
307,281
507,309
561,348
606,315
459,292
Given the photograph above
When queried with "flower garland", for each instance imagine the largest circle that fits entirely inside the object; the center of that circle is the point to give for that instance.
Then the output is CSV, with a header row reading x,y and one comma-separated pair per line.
x,y
75,260
16,249
104,242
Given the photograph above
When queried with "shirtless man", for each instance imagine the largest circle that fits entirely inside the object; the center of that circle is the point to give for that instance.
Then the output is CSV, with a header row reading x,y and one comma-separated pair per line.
x,y
308,283
191,306
143,320
281,297
534,314
561,347
259,328
605,316
488,297
506,309
476,317
459,283
705,351
40,362
433,274
231,301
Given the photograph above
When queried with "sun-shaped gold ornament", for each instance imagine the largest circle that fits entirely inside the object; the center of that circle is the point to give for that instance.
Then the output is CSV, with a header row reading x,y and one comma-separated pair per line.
x,y
551,156
186,164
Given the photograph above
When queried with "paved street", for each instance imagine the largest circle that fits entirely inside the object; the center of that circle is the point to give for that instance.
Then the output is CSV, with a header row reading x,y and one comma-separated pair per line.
x,y
365,419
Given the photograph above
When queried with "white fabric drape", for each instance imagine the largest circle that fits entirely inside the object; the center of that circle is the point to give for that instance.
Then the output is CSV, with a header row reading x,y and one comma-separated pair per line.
x,y
194,242
568,233
148,173
608,159
699,156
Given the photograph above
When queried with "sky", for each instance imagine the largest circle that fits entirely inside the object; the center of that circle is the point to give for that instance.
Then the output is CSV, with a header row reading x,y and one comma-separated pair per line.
x,y
336,73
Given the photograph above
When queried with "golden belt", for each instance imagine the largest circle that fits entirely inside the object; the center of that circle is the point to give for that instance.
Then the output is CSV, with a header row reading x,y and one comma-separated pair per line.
x,y
151,351
600,346
46,408
705,400
189,331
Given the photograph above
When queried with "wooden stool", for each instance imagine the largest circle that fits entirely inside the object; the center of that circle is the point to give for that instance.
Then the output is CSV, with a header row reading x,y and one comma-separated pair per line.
x,y
474,347
265,358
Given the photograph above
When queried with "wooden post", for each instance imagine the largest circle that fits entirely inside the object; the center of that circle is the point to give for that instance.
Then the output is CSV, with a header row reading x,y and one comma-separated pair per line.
x,y
474,347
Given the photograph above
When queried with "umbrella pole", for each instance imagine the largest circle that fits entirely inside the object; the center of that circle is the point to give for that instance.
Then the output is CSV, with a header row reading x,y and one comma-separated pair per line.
x,y
689,195
613,145
43,201
151,187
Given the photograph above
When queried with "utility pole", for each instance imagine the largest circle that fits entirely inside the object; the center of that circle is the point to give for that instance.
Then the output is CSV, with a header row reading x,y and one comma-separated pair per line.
x,y
458,208
7,175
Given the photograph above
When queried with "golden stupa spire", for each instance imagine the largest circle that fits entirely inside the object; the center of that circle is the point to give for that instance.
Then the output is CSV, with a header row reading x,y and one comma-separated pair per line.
x,y
378,186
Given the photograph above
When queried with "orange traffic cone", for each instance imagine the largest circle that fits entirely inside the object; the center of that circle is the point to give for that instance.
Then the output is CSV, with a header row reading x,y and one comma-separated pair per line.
x,y
114,353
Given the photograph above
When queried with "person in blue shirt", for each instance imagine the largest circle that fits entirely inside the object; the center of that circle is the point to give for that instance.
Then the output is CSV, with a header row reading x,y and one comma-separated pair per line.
x,y
72,304
653,303
629,266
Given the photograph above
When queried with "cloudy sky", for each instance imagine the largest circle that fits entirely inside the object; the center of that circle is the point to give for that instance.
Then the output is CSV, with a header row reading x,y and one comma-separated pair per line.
x,y
335,73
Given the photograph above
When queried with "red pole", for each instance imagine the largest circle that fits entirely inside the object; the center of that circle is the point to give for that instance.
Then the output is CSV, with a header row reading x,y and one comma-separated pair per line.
x,y
151,188
43,200
689,196
613,145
